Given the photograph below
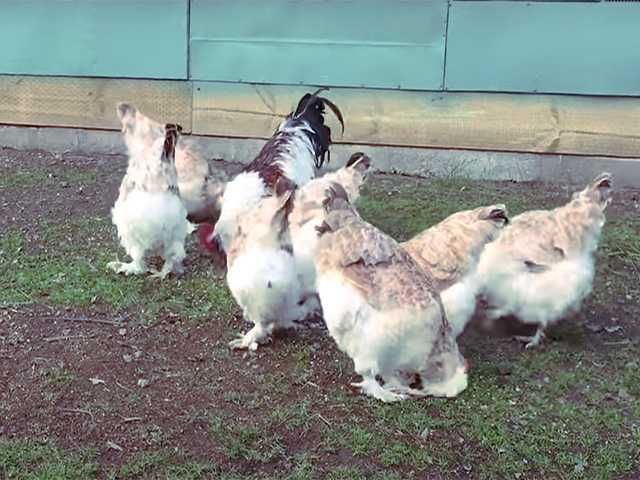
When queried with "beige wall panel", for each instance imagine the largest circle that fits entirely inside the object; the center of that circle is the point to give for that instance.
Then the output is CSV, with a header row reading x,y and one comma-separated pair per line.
x,y
90,102
511,122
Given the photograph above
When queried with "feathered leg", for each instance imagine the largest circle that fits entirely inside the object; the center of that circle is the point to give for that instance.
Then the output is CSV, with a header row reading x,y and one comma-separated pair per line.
x,y
135,267
173,260
370,386
533,341
257,335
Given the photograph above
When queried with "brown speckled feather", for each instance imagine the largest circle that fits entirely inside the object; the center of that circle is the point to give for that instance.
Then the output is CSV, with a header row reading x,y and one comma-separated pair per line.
x,y
449,249
374,264
545,237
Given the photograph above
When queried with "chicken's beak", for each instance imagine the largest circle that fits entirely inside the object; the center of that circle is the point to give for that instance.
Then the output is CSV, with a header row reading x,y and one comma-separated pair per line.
x,y
466,365
499,214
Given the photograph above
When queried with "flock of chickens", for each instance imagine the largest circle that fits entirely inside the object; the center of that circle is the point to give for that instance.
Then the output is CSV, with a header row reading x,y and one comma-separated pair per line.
x,y
296,248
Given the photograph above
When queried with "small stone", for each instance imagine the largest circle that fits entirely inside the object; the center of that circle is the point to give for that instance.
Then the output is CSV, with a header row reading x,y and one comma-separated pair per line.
x,y
137,354
127,358
143,382
114,446
122,331
613,329
96,381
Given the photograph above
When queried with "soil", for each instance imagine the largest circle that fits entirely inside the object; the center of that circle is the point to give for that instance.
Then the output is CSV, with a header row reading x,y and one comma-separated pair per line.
x,y
88,377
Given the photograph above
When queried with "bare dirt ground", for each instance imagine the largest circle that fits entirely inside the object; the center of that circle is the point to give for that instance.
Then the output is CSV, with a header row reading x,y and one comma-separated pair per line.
x,y
110,377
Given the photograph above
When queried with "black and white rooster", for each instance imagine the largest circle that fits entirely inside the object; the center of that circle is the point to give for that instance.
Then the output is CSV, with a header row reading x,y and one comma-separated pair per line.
x,y
263,273
296,151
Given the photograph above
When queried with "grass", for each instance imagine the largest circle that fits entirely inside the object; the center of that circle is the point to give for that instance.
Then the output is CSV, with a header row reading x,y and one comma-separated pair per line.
x,y
240,440
31,460
40,178
569,411
166,465
66,269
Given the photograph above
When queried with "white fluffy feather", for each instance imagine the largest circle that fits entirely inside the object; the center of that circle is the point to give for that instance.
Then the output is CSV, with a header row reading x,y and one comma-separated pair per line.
x,y
541,267
148,222
149,213
263,273
241,195
265,283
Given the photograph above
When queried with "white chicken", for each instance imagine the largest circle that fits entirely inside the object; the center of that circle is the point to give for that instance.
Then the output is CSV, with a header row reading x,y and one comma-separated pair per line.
x,y
263,273
449,252
541,267
148,213
271,277
303,219
381,309
296,151
201,185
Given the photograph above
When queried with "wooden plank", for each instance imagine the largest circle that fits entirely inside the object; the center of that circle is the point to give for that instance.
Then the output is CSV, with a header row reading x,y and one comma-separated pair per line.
x,y
116,38
90,102
509,122
310,42
575,48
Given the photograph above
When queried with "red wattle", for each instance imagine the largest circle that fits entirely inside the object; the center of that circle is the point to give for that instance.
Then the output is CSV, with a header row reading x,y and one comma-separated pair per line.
x,y
204,233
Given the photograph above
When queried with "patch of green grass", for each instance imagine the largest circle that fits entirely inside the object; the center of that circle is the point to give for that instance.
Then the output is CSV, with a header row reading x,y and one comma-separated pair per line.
x,y
166,465
402,453
346,473
77,276
59,376
24,178
302,468
361,441
41,178
403,209
31,460
293,417
245,441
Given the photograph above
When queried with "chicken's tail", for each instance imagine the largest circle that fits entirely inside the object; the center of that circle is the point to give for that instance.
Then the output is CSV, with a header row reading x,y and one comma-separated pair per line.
x,y
171,134
311,109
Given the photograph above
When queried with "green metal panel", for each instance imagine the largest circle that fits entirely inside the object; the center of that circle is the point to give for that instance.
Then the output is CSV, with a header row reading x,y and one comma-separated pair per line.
x,y
582,48
370,43
117,38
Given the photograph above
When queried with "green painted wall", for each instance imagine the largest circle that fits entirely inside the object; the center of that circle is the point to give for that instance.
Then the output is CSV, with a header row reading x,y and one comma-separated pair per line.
x,y
357,43
101,38
583,47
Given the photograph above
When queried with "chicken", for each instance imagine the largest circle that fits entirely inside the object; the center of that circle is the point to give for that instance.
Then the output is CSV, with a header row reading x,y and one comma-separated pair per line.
x,y
149,213
201,185
381,309
541,267
296,151
449,252
271,278
303,219
262,270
